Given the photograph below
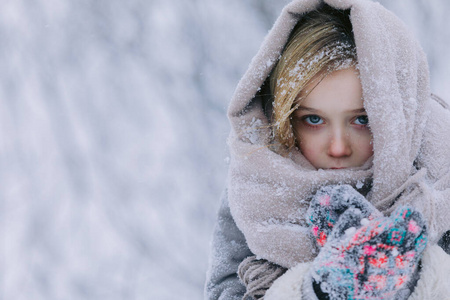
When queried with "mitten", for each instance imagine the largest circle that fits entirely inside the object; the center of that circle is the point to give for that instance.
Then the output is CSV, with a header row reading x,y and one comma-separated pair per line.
x,y
373,262
329,203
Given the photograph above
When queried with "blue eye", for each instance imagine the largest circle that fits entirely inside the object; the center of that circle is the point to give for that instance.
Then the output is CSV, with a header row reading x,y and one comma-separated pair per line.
x,y
313,120
362,120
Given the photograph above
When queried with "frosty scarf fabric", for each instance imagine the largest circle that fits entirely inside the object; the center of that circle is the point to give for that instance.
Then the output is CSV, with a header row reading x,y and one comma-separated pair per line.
x,y
269,193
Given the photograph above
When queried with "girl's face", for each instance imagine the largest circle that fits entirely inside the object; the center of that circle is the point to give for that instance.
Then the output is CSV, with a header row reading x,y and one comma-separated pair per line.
x,y
331,124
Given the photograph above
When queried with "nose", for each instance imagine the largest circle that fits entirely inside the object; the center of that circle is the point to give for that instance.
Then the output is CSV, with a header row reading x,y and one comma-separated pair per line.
x,y
339,145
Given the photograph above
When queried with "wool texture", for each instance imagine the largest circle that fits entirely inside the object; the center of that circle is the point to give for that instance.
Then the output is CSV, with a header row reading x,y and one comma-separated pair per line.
x,y
258,276
376,266
329,203
381,263
269,192
433,280
376,261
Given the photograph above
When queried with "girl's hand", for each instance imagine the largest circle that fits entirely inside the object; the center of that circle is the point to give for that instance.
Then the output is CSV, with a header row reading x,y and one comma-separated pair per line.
x,y
329,203
376,261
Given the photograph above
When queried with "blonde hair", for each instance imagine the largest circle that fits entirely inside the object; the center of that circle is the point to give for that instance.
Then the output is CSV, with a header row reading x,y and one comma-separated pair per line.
x,y
321,43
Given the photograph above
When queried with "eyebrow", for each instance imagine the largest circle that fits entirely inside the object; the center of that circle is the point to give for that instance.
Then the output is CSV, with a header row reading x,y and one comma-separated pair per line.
x,y
358,110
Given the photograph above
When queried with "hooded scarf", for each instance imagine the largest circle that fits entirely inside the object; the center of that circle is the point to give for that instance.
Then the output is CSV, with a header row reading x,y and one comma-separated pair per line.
x,y
269,192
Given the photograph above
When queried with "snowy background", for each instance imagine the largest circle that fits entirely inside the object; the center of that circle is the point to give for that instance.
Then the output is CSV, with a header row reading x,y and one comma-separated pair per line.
x,y
112,137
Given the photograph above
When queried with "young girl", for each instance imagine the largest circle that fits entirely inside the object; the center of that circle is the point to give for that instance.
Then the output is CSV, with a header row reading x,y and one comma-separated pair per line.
x,y
340,169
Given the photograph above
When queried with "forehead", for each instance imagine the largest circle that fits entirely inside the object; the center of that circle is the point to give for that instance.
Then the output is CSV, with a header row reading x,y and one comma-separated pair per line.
x,y
338,90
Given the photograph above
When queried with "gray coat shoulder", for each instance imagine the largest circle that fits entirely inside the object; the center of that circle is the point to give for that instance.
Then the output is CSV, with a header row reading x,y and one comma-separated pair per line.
x,y
228,250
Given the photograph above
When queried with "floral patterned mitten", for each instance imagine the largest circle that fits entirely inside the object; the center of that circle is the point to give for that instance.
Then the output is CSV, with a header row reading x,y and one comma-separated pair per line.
x,y
329,203
372,262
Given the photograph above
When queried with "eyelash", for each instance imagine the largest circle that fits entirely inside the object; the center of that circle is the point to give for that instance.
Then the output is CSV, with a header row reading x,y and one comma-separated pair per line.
x,y
362,116
315,126
309,124
313,123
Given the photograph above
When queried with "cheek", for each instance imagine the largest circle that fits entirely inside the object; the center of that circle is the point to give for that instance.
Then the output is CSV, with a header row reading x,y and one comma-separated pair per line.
x,y
310,145
365,146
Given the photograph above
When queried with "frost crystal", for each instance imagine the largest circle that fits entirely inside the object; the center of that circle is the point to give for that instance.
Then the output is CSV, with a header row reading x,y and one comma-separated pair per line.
x,y
251,132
